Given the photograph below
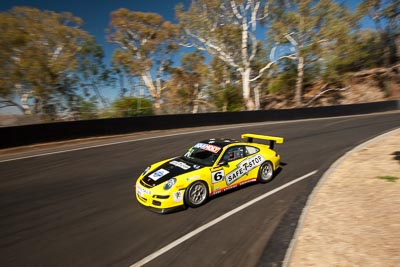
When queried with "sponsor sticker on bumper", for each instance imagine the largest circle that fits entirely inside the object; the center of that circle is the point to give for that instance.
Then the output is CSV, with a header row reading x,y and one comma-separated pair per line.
x,y
141,191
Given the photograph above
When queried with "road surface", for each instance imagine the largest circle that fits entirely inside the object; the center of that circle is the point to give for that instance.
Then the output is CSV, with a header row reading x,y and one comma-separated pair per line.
x,y
75,206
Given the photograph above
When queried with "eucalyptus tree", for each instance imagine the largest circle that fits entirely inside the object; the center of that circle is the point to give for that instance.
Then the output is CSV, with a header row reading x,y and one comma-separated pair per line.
x,y
146,44
224,90
386,16
188,82
131,106
93,74
309,27
227,29
38,58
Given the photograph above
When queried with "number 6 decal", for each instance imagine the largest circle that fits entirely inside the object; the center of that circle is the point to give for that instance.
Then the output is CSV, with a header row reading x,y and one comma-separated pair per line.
x,y
217,176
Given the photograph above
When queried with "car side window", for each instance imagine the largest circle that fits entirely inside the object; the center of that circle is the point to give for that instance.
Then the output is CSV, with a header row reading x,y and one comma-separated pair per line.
x,y
250,150
233,153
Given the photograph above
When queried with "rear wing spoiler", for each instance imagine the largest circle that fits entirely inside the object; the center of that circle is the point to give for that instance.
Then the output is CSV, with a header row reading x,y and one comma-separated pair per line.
x,y
272,139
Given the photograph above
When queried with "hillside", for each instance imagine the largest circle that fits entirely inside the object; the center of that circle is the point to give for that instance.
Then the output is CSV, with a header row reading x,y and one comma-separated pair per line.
x,y
365,86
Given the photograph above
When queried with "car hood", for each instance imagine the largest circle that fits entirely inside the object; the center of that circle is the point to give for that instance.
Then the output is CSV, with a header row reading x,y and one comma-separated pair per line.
x,y
168,170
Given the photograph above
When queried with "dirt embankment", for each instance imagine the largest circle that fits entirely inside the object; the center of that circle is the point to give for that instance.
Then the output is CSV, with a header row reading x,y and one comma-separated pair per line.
x,y
371,85
353,217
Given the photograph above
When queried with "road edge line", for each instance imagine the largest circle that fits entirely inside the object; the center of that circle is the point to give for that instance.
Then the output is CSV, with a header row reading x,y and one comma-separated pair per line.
x,y
200,229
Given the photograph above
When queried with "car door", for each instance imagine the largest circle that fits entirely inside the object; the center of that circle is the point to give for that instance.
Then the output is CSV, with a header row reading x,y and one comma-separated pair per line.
x,y
228,171
238,165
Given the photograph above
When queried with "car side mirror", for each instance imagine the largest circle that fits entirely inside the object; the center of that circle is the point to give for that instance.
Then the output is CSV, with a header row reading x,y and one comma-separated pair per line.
x,y
223,163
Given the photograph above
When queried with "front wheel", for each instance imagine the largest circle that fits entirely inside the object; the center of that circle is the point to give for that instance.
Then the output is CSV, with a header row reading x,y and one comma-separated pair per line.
x,y
196,194
266,172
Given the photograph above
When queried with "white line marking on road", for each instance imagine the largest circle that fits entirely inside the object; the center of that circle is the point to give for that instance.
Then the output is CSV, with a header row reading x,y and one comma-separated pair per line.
x,y
126,141
217,220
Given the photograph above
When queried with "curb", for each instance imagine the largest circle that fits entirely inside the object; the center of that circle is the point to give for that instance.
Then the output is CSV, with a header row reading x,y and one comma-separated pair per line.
x,y
288,256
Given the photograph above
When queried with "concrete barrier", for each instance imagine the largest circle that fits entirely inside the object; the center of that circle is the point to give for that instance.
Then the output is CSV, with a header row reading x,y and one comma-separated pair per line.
x,y
58,131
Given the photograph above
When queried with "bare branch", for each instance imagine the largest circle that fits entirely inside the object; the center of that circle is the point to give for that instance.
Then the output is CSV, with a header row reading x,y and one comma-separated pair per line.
x,y
291,39
201,101
216,50
187,45
235,10
324,92
253,21
261,71
248,5
57,53
9,103
266,12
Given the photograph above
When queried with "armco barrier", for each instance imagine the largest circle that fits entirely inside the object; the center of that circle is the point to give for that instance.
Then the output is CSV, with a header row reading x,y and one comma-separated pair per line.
x,y
58,131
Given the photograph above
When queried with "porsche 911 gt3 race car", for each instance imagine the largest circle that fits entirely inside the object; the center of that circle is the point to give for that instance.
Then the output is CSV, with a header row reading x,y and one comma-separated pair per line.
x,y
208,168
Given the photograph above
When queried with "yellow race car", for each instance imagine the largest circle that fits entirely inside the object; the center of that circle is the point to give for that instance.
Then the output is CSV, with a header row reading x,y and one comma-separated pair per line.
x,y
208,168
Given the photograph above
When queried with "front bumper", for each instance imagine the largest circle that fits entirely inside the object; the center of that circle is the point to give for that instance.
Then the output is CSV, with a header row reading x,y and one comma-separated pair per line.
x,y
164,210
158,200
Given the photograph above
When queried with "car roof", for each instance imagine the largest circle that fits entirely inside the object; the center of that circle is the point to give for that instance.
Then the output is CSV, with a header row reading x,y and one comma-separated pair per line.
x,y
220,142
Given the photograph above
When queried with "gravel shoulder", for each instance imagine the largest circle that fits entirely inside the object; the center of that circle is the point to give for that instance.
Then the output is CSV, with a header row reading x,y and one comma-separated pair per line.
x,y
353,216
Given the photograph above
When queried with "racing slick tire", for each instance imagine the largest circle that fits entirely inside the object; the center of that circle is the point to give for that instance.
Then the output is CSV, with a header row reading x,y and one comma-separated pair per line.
x,y
196,194
266,172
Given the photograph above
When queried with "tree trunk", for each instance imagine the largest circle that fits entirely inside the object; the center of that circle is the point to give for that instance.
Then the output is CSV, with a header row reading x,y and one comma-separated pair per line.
x,y
225,106
100,96
299,82
195,108
397,42
24,97
257,96
157,105
246,90
155,94
24,104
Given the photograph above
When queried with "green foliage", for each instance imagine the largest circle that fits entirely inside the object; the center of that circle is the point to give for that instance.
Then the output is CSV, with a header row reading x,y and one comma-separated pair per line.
x,y
389,178
38,59
359,52
93,74
86,109
311,28
224,88
187,82
227,98
284,79
384,13
132,106
386,17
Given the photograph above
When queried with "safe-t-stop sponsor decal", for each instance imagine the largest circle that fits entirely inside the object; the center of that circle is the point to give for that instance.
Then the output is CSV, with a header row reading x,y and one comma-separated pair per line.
x,y
243,168
180,164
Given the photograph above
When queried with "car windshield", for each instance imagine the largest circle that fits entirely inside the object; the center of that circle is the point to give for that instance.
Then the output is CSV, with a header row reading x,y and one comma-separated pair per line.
x,y
203,154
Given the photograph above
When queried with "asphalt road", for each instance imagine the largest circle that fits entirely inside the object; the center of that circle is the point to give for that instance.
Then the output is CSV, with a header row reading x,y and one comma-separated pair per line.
x,y
77,208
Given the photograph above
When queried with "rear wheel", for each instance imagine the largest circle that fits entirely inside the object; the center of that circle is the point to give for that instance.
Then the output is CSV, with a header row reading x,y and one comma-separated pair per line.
x,y
196,194
266,172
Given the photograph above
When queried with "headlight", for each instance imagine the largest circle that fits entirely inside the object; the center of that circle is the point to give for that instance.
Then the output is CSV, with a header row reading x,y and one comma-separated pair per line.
x,y
146,170
170,183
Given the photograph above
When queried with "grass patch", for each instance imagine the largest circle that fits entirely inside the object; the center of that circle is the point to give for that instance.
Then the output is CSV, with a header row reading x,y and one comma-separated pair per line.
x,y
388,178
